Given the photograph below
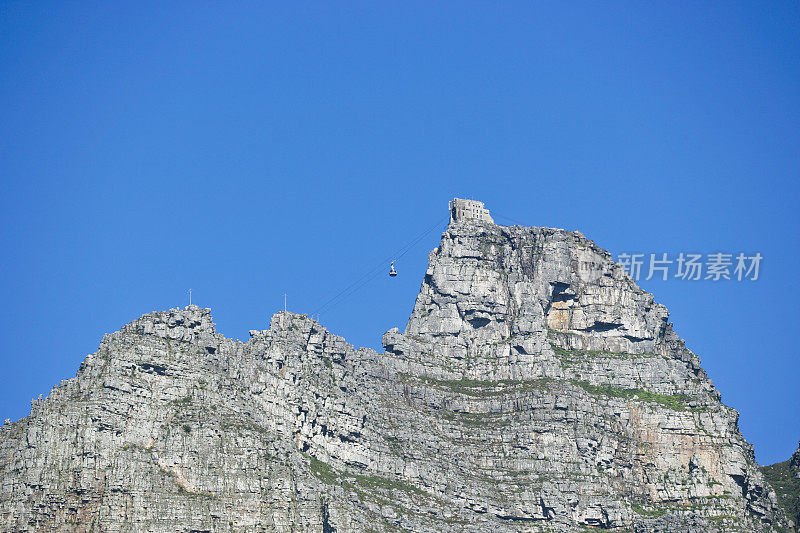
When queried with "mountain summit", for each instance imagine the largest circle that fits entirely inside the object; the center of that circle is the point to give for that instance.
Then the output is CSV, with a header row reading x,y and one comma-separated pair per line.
x,y
536,387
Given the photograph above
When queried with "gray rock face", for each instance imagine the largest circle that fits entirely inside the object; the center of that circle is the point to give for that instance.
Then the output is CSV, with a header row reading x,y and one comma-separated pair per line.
x,y
535,388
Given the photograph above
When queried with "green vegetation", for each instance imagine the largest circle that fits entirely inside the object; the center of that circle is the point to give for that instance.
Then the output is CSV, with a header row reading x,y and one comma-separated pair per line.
x,y
506,340
676,402
477,419
322,470
783,479
187,428
191,494
586,354
480,388
183,402
638,509
722,517
135,447
231,424
395,445
325,473
375,482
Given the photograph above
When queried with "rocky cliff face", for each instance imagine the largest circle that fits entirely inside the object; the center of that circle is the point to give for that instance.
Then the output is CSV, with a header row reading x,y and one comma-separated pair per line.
x,y
535,388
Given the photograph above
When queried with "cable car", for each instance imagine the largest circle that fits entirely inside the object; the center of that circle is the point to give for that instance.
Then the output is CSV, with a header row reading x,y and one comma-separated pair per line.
x,y
392,271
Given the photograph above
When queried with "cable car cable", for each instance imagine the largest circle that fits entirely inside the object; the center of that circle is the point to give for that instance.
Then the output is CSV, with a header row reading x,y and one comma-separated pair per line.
x,y
495,213
368,276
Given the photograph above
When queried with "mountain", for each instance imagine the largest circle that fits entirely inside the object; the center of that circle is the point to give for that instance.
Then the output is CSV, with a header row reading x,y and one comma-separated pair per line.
x,y
785,478
536,387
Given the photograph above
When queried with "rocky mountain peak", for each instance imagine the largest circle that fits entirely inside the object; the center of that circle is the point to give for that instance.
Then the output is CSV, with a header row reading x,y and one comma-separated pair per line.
x,y
178,324
488,282
535,387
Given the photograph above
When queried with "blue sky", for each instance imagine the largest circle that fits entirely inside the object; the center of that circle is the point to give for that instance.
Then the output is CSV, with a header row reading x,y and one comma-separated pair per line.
x,y
257,149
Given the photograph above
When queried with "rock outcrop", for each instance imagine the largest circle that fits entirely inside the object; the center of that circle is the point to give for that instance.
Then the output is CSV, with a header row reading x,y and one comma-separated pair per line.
x,y
535,388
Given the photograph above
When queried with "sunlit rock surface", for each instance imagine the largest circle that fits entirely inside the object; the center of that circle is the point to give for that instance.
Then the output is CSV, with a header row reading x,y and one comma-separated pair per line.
x,y
535,388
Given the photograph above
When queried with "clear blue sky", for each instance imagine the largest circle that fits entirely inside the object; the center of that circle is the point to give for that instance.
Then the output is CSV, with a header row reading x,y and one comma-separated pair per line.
x,y
251,149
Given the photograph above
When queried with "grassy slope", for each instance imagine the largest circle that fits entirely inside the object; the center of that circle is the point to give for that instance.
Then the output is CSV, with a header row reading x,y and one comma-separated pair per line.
x,y
783,478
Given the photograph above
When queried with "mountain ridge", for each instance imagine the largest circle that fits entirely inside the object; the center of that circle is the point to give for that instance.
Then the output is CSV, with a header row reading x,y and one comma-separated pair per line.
x,y
535,387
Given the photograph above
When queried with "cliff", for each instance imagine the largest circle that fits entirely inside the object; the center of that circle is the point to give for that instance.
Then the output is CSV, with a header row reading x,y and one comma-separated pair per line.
x,y
535,388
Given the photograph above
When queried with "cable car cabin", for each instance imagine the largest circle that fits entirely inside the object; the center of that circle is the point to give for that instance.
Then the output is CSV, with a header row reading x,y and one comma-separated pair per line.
x,y
392,271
